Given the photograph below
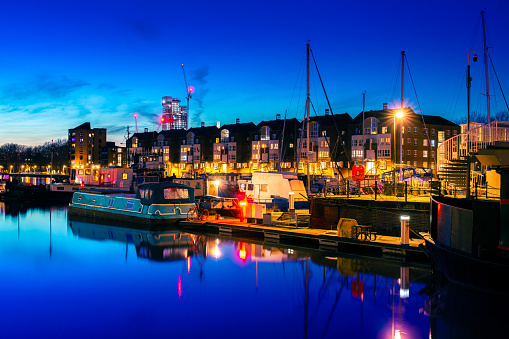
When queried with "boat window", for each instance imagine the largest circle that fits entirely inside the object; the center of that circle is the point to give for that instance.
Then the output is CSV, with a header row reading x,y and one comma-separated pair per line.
x,y
110,203
263,187
176,193
250,187
130,205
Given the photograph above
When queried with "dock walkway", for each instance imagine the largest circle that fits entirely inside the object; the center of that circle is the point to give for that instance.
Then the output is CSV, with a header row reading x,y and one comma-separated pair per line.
x,y
310,237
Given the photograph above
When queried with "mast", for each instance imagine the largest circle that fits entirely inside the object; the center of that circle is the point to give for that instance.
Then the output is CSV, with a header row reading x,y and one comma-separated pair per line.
x,y
362,126
401,128
486,68
281,147
307,117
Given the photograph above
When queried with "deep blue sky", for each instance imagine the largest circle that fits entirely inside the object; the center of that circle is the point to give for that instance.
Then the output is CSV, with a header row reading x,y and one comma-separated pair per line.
x,y
68,62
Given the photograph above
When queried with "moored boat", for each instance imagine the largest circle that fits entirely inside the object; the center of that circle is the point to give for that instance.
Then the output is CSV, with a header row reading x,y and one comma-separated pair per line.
x,y
153,204
469,239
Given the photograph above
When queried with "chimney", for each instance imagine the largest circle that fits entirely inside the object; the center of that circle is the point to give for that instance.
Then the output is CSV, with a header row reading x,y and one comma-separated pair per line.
x,y
202,124
385,106
146,130
326,111
237,121
278,116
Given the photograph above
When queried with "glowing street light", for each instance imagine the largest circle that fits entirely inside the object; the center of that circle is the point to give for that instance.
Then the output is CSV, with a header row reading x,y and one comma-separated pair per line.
x,y
400,115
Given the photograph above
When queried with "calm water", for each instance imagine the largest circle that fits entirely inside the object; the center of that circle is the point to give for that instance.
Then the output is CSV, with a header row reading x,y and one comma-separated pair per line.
x,y
66,279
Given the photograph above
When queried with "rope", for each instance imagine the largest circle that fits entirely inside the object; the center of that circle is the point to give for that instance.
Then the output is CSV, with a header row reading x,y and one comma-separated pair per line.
x,y
331,112
420,110
501,90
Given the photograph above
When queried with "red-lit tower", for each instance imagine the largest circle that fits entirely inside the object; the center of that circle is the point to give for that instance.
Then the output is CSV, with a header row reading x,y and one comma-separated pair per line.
x,y
174,115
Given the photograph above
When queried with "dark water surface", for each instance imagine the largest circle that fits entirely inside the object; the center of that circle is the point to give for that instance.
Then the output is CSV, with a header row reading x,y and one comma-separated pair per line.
x,y
64,278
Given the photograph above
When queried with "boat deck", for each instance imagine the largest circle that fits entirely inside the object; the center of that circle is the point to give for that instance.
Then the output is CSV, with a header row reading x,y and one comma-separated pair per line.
x,y
310,237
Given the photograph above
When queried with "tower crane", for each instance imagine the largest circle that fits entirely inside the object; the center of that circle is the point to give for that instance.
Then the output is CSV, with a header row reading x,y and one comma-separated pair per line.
x,y
189,91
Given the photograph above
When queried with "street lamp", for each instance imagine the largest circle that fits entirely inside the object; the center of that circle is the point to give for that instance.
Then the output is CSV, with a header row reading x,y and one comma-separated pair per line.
x,y
400,115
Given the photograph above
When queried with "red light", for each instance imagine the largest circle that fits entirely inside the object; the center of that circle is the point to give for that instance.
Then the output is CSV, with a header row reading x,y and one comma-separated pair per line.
x,y
182,65
162,119
242,252
136,115
180,288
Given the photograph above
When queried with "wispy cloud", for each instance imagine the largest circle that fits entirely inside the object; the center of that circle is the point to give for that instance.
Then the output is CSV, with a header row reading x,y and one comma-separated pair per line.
x,y
45,107
43,86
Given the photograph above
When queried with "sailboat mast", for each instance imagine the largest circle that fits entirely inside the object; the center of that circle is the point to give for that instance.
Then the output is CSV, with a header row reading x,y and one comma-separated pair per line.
x,y
363,129
486,67
282,145
307,117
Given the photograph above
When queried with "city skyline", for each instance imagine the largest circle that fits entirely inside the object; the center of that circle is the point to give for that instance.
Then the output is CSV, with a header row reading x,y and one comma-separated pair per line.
x,y
69,63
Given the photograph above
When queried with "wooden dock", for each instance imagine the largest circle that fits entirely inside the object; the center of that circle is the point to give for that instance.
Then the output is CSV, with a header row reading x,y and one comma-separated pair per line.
x,y
310,237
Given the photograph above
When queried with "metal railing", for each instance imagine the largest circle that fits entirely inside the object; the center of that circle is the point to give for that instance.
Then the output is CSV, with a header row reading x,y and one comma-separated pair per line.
x,y
464,144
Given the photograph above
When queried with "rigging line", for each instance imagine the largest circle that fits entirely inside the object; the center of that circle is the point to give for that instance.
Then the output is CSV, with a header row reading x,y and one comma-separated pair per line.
x,y
316,94
394,80
419,104
295,87
498,80
330,108
332,151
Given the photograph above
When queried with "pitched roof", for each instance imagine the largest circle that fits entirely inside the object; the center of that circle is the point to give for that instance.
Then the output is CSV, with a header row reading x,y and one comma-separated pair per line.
x,y
85,125
239,128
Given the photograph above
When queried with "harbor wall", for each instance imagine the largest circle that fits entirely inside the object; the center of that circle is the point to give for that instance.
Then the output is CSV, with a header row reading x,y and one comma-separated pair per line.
x,y
383,216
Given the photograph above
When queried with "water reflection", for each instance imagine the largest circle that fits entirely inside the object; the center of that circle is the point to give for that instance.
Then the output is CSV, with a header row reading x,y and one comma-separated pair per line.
x,y
325,286
129,282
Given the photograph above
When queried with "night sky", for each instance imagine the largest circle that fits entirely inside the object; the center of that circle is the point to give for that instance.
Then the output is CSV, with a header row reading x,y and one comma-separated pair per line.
x,y
64,63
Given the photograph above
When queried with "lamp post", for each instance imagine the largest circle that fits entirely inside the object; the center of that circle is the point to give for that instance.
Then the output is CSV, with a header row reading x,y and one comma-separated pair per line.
x,y
400,115
469,79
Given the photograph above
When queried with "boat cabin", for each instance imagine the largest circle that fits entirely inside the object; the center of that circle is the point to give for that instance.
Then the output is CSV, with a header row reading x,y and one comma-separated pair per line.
x,y
165,193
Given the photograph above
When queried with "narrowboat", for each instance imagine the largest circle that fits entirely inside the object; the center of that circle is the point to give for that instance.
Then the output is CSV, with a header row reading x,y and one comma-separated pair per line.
x,y
153,204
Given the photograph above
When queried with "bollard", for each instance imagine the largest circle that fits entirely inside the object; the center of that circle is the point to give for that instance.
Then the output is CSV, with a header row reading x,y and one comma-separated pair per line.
x,y
406,191
405,236
404,281
348,189
376,189
292,201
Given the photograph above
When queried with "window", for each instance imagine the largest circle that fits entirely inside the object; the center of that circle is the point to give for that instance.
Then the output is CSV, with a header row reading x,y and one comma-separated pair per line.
x,y
425,142
415,130
384,129
432,143
265,133
409,129
409,141
424,154
415,153
425,131
176,193
441,136
415,142
432,132
409,153
448,132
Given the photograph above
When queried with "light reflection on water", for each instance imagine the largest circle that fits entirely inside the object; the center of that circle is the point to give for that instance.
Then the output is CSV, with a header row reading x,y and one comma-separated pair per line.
x,y
68,278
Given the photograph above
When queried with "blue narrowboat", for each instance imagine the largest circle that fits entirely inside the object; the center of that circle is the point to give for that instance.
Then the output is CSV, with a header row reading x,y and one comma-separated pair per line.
x,y
156,203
